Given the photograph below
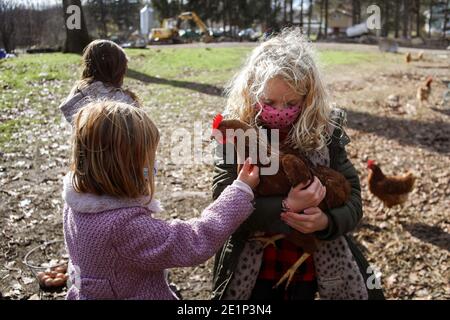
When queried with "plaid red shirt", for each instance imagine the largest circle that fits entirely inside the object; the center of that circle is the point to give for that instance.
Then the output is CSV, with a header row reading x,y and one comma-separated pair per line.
x,y
276,261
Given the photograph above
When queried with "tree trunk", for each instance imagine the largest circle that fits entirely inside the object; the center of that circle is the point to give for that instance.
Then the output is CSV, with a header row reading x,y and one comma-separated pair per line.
x,y
301,14
6,34
430,19
397,18
224,17
103,19
310,17
268,13
8,18
291,12
76,39
356,11
326,18
445,20
405,19
285,12
418,20
230,16
319,35
385,32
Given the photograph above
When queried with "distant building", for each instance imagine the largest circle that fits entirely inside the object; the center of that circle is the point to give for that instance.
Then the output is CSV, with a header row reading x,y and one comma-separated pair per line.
x,y
339,20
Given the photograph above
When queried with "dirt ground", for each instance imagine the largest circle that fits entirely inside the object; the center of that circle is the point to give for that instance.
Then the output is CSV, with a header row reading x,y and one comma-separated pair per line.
x,y
408,245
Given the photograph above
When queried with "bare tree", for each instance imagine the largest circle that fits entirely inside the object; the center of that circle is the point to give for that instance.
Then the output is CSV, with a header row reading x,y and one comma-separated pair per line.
x,y
326,18
301,13
291,11
444,33
7,23
76,39
356,11
386,17
397,19
310,10
99,11
430,8
320,3
418,16
406,12
53,33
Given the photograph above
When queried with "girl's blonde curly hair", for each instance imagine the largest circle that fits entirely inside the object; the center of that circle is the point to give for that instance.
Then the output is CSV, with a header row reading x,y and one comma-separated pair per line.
x,y
288,56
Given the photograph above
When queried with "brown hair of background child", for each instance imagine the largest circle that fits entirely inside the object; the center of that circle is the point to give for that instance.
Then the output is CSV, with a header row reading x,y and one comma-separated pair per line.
x,y
104,61
113,145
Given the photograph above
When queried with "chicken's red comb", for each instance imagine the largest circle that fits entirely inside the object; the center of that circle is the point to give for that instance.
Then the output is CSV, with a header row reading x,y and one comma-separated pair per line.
x,y
217,120
370,163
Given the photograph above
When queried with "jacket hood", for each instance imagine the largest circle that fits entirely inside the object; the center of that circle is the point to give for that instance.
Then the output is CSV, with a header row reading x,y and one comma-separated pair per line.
x,y
92,203
95,91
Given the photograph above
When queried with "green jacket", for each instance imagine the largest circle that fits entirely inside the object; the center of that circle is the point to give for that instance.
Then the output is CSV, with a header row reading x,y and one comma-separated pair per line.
x,y
266,216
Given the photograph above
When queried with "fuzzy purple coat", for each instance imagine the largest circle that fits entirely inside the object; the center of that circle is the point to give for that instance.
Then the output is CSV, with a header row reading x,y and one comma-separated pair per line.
x,y
117,250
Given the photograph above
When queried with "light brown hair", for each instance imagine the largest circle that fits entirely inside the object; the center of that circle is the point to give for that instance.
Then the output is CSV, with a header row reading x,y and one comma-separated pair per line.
x,y
112,143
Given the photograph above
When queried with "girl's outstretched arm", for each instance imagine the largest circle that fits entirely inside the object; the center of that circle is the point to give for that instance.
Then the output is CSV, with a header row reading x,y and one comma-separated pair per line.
x,y
155,244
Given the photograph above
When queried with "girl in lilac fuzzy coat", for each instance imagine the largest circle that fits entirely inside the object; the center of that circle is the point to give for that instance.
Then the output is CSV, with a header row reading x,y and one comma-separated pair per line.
x,y
117,250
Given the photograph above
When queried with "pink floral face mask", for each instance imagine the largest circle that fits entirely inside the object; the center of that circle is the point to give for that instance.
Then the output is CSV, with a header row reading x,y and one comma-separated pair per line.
x,y
278,119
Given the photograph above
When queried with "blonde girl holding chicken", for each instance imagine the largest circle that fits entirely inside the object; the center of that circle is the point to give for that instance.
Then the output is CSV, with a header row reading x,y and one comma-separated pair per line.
x,y
280,88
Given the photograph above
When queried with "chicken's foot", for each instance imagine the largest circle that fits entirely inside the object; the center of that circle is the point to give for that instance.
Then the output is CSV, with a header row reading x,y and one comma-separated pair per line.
x,y
269,240
291,271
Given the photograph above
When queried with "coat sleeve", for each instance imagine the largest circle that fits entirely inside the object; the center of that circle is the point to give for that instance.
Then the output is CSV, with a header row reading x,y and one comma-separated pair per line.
x,y
266,216
154,244
344,219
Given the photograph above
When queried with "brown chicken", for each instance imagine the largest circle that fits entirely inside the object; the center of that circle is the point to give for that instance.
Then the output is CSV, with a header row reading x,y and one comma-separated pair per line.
x,y
392,190
424,91
409,57
294,169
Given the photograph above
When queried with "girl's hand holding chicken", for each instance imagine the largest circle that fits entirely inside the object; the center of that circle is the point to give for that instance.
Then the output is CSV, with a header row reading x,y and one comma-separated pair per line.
x,y
311,221
307,200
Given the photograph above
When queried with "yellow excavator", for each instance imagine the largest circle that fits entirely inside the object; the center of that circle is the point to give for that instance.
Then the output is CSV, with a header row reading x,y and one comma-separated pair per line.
x,y
169,32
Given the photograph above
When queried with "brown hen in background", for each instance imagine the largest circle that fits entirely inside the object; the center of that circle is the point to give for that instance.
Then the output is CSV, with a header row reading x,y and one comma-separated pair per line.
x,y
424,91
391,190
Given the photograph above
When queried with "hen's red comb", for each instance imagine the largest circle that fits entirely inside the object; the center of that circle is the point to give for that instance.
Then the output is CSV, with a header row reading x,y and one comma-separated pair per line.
x,y
217,120
370,163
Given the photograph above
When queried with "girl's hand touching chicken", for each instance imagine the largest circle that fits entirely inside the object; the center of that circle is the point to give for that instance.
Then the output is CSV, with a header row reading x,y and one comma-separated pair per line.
x,y
299,199
311,221
249,174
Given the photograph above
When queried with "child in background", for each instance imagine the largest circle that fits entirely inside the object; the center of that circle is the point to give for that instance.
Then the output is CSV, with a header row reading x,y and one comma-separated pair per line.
x,y
104,68
117,250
